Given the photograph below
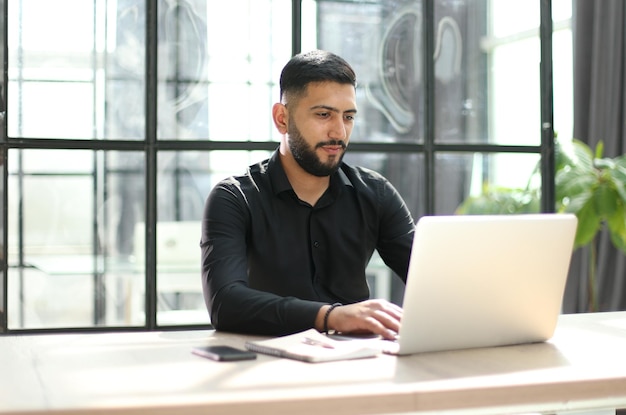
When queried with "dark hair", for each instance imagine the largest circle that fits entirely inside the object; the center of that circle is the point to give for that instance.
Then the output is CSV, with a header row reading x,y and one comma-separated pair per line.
x,y
314,66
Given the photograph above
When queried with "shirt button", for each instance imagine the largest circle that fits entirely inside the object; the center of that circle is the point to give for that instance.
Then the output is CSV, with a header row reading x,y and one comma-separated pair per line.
x,y
316,244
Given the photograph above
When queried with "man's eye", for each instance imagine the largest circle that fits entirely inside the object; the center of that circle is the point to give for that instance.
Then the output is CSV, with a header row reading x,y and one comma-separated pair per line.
x,y
350,117
323,114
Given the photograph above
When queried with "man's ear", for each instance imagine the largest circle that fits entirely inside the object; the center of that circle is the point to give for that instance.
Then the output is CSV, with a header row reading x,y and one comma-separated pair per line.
x,y
280,115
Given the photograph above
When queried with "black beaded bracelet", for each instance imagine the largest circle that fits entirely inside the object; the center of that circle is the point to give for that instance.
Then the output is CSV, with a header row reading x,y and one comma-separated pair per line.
x,y
331,308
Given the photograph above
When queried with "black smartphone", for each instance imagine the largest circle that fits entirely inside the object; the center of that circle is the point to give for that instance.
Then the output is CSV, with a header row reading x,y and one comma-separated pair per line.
x,y
223,353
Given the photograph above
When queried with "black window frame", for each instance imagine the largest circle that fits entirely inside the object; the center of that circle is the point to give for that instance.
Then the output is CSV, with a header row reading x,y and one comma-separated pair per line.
x,y
151,146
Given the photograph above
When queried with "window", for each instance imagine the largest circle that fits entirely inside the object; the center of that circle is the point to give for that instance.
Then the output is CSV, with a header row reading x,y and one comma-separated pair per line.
x,y
122,115
85,233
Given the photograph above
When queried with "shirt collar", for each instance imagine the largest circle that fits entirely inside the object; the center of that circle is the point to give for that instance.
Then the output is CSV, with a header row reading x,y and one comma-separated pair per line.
x,y
280,183
277,174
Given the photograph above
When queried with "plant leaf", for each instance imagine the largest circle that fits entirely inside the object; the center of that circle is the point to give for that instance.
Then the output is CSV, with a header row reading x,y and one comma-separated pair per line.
x,y
563,154
605,198
621,161
571,182
618,175
588,224
583,157
577,202
604,164
617,226
599,149
500,201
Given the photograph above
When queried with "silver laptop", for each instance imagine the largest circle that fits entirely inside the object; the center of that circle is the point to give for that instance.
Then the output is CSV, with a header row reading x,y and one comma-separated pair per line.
x,y
481,281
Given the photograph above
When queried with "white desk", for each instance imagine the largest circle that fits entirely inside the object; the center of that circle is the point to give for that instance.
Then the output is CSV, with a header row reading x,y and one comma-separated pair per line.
x,y
582,367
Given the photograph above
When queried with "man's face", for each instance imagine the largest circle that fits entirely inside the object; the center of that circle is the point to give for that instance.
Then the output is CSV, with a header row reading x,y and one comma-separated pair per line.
x,y
320,126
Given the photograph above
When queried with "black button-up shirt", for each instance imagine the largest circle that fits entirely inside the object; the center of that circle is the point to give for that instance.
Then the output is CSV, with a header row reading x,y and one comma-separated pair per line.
x,y
270,260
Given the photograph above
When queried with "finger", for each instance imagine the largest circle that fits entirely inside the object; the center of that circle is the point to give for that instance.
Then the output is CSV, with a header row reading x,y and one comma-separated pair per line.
x,y
377,327
389,308
383,304
389,321
394,311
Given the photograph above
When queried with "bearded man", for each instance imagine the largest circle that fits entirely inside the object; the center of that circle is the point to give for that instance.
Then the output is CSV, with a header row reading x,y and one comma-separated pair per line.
x,y
285,246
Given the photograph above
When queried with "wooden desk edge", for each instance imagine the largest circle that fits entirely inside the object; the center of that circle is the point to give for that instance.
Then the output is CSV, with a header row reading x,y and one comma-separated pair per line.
x,y
542,397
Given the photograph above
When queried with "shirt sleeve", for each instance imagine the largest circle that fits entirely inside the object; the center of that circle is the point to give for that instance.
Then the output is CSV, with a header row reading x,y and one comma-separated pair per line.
x,y
232,304
397,229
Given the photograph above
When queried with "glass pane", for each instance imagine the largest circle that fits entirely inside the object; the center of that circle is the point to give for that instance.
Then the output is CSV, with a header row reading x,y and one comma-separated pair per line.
x,y
477,183
513,47
43,115
460,72
516,112
222,60
78,75
121,81
383,43
71,232
487,71
185,180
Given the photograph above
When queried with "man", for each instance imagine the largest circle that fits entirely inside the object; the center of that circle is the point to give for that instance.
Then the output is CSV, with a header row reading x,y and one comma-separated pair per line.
x,y
285,246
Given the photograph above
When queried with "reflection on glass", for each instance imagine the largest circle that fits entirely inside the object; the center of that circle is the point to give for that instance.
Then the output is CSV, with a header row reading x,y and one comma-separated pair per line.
x,y
72,221
487,72
460,67
76,75
222,61
486,68
383,42
83,76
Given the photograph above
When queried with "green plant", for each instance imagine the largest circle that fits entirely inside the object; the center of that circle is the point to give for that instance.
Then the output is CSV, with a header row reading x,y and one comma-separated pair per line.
x,y
587,184
594,188
500,201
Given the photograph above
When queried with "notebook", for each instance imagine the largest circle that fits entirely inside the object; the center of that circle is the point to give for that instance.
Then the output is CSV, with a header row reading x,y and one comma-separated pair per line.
x,y
481,281
313,347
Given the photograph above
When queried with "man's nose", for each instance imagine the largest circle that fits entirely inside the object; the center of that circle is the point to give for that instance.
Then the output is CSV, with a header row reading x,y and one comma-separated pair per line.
x,y
339,131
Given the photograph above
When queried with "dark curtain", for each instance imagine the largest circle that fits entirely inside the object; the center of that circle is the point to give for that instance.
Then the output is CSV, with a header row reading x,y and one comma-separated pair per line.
x,y
599,41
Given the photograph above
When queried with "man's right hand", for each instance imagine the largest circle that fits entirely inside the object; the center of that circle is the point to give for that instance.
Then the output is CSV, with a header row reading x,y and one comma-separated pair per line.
x,y
370,316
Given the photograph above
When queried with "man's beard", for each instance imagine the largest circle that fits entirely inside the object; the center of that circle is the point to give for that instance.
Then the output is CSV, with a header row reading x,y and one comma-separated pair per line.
x,y
306,156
